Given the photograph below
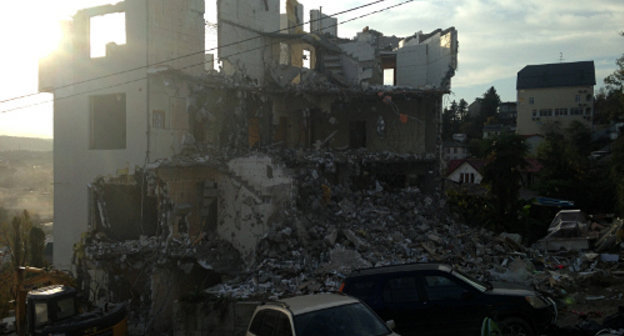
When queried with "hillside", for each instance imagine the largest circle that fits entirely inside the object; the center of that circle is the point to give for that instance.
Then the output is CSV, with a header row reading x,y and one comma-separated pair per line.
x,y
9,143
26,175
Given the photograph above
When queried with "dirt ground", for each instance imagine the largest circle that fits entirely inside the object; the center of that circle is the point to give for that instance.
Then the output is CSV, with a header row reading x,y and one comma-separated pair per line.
x,y
592,302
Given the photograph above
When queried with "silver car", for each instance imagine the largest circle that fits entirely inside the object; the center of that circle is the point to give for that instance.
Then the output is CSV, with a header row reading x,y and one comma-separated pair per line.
x,y
319,314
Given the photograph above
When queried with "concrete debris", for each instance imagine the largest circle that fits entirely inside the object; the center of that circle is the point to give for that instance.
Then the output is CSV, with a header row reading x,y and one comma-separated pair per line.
x,y
345,215
356,229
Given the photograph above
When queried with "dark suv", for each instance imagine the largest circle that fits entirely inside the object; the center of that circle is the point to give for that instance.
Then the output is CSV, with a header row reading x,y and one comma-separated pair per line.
x,y
435,299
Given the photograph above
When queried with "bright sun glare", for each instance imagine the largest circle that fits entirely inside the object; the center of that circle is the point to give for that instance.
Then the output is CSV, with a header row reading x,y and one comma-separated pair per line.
x,y
31,39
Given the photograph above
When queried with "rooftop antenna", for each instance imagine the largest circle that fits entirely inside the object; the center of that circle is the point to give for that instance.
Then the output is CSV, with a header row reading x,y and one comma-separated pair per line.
x,y
561,57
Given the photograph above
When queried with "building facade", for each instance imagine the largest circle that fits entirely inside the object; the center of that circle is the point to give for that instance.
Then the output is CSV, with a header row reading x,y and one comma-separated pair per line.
x,y
107,116
554,93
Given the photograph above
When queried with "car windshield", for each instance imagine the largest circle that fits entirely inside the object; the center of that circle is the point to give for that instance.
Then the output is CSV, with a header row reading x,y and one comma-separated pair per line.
x,y
351,319
474,283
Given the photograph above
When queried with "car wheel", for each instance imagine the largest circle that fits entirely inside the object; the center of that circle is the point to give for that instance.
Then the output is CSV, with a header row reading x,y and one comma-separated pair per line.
x,y
515,327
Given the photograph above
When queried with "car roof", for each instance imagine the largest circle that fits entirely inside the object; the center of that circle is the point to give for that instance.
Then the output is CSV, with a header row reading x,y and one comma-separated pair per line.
x,y
307,303
402,268
52,291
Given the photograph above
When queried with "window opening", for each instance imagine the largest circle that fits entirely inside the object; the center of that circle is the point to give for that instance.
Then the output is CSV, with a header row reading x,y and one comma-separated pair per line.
x,y
104,30
306,58
388,76
357,134
108,121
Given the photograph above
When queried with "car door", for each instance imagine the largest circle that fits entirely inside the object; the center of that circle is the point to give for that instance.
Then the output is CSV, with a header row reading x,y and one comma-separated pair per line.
x,y
453,308
403,303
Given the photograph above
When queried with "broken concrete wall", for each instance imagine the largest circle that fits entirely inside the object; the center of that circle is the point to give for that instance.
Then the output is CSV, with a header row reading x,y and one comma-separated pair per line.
x,y
192,192
324,24
242,44
230,120
121,211
427,61
291,121
257,188
169,117
401,125
366,48
176,34
367,67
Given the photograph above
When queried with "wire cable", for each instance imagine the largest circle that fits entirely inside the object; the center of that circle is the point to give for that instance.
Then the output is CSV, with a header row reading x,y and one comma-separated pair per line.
x,y
193,65
193,53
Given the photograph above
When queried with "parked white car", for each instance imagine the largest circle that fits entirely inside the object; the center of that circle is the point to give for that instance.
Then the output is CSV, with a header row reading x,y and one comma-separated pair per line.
x,y
319,314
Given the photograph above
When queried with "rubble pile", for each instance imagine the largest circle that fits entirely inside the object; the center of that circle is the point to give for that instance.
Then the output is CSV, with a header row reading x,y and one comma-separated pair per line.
x,y
345,217
333,230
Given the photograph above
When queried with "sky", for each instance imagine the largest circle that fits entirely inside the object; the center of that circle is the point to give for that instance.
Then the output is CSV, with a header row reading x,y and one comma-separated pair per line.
x,y
497,38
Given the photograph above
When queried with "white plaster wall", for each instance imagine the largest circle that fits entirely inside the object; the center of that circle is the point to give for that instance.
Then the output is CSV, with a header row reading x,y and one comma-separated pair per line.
x,y
253,169
562,97
365,54
412,66
466,169
75,165
362,51
165,142
248,56
243,217
177,32
426,64
323,23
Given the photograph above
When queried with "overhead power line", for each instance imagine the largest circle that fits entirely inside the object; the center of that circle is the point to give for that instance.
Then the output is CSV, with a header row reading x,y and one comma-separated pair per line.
x,y
191,54
197,64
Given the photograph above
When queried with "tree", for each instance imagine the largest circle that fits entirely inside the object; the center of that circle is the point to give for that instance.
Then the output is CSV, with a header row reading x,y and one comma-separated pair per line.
x,y
609,106
615,81
36,245
24,241
617,174
462,109
558,175
567,171
489,106
502,173
449,121
609,102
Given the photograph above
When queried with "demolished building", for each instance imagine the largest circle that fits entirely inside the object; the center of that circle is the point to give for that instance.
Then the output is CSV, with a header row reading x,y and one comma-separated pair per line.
x,y
171,177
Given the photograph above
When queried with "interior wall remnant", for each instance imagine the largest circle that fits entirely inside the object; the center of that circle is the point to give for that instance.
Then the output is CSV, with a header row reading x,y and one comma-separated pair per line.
x,y
250,196
192,192
428,60
380,123
321,23
242,46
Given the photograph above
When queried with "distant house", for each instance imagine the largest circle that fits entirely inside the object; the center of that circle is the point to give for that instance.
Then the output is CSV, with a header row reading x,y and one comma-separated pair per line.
x,y
507,113
530,171
467,171
561,93
453,150
460,137
496,130
533,141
